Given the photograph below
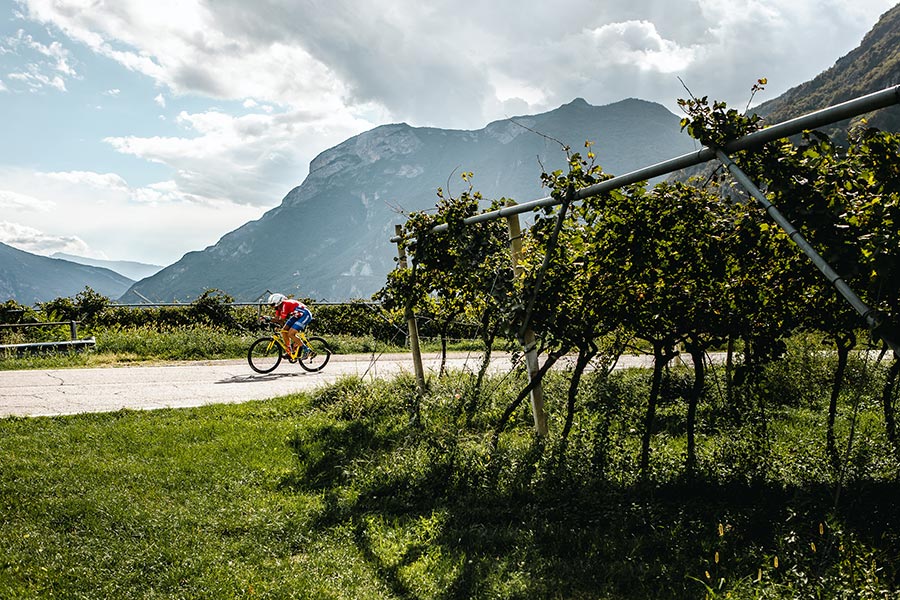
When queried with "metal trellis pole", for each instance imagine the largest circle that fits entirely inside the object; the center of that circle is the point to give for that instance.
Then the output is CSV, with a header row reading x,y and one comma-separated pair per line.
x,y
527,337
868,314
411,323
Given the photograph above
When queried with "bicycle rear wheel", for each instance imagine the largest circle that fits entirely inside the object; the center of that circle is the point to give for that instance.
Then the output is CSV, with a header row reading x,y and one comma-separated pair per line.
x,y
264,355
318,358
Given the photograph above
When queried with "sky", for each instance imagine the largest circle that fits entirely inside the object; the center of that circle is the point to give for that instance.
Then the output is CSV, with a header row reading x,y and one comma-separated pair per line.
x,y
141,130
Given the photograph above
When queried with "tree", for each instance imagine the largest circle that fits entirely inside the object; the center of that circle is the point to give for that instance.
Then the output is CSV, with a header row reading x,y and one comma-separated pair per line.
x,y
571,308
462,270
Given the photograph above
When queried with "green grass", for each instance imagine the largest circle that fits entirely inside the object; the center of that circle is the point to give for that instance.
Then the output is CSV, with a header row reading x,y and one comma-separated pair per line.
x,y
337,495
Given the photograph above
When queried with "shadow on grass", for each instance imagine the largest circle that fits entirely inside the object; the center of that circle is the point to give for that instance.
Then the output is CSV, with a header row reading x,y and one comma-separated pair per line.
x,y
564,534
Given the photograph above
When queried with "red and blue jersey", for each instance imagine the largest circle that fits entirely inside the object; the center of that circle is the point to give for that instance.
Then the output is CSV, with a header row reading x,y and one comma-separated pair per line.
x,y
287,307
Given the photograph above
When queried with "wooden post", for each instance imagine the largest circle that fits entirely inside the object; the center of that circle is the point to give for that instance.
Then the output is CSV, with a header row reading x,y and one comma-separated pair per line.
x,y
411,323
527,340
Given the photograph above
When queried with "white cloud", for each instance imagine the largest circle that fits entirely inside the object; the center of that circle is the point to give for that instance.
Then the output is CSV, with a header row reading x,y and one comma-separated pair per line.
x,y
10,200
54,50
36,241
104,215
47,65
253,159
99,181
36,80
639,44
113,92
180,45
449,63
160,100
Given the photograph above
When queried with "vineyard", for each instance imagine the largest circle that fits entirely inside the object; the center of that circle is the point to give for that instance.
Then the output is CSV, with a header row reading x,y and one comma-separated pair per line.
x,y
682,267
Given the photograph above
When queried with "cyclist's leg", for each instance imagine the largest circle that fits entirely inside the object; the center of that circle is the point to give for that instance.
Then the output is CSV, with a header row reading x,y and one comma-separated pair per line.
x,y
294,334
303,319
286,334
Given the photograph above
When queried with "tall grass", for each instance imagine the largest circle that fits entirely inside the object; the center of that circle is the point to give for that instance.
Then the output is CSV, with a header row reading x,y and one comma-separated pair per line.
x,y
340,494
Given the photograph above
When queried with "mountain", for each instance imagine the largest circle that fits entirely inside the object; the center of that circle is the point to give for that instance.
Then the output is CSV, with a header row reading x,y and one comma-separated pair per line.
x,y
130,269
873,66
28,278
330,237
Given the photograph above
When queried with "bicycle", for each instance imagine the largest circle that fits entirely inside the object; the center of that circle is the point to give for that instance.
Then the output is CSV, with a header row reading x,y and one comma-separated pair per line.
x,y
266,353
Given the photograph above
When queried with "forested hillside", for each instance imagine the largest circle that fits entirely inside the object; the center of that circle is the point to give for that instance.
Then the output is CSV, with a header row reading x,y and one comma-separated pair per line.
x,y
872,66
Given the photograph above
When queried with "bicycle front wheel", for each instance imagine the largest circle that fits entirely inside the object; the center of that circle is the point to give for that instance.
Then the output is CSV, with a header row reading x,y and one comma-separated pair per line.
x,y
318,357
264,355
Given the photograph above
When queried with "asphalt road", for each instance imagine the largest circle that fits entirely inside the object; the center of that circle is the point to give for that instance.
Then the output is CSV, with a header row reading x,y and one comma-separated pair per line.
x,y
72,391
177,385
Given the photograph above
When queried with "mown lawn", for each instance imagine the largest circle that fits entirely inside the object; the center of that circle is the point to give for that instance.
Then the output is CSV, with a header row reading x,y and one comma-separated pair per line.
x,y
339,495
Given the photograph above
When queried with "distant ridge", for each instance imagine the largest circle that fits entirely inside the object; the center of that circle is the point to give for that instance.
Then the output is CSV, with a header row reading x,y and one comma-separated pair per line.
x,y
28,278
130,269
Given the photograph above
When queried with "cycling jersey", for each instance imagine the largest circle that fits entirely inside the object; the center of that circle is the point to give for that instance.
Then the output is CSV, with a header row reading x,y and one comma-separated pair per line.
x,y
287,307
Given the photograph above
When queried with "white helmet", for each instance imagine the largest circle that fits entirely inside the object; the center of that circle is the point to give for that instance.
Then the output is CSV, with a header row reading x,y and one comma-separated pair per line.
x,y
276,299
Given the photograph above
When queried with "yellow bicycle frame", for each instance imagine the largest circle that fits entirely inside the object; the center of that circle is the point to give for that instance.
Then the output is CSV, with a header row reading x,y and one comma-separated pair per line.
x,y
277,340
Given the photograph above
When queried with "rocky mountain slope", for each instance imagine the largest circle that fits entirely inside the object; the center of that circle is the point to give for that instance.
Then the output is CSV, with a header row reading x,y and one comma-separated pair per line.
x,y
329,238
873,66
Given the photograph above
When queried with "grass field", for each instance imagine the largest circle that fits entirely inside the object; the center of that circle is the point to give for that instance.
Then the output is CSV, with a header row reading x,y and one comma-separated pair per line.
x,y
338,495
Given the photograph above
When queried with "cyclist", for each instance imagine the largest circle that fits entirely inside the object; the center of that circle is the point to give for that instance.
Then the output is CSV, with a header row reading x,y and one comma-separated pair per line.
x,y
295,316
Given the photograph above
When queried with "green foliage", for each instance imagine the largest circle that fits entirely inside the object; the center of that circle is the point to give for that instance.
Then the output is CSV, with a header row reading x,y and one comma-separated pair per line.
x,y
212,307
180,343
90,304
679,266
716,125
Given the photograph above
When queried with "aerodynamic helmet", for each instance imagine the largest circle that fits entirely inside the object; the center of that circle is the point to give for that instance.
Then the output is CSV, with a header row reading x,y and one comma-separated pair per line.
x,y
276,299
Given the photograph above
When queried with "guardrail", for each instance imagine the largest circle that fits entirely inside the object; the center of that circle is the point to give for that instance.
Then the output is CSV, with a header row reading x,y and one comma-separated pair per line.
x,y
37,347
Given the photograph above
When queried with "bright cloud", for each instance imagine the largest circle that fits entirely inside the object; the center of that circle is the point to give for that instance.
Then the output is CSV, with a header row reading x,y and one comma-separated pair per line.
x,y
639,44
180,45
99,214
10,200
54,51
48,64
452,65
252,159
36,80
36,241
99,181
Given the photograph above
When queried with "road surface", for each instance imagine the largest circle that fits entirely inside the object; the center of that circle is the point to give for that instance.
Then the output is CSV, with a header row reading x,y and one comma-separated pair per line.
x,y
178,385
